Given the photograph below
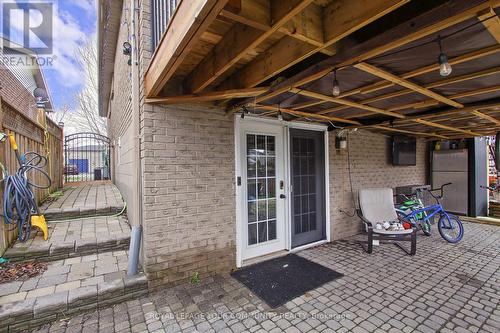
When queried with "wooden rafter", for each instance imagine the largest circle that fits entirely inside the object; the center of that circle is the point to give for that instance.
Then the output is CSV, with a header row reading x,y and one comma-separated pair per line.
x,y
191,19
209,96
340,18
306,27
276,108
405,83
440,24
344,101
492,22
486,117
238,42
428,103
306,104
495,104
392,129
440,83
433,67
449,128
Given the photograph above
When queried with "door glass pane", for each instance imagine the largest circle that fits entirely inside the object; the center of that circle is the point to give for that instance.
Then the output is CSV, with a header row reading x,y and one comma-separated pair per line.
x,y
251,145
270,146
262,232
304,185
251,167
252,190
261,187
272,229
261,145
262,209
252,211
271,209
271,167
271,188
252,233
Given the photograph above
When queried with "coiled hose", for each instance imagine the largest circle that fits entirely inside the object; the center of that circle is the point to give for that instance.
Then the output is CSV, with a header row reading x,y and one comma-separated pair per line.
x,y
19,202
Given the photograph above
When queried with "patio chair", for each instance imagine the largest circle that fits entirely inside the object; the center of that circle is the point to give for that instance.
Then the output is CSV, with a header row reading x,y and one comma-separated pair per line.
x,y
377,206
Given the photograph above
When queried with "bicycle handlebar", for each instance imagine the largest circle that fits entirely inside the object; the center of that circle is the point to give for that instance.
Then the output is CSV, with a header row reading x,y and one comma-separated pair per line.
x,y
438,189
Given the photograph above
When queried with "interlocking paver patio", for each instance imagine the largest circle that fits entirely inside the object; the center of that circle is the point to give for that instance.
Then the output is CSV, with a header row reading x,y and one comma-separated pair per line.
x,y
90,198
66,275
445,287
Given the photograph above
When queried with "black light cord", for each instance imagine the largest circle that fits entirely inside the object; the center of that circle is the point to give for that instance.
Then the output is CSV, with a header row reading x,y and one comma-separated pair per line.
x,y
438,39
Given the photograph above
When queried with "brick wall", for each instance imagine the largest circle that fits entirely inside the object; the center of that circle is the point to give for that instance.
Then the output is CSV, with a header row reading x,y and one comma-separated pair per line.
x,y
187,156
188,176
370,167
120,129
15,94
189,194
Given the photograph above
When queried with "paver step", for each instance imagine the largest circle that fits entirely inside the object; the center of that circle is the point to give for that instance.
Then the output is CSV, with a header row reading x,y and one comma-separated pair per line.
x,y
68,287
56,214
73,238
91,199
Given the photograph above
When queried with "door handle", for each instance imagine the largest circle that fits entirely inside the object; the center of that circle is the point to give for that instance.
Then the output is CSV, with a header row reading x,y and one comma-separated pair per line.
x,y
282,196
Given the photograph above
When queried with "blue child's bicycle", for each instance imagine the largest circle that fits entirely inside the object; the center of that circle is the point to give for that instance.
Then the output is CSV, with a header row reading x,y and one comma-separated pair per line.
x,y
450,227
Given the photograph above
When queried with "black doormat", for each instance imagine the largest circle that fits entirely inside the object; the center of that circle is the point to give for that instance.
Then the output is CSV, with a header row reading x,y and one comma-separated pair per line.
x,y
280,280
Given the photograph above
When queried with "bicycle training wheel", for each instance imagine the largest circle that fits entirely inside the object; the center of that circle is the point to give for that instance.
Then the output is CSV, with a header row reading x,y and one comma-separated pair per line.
x,y
451,229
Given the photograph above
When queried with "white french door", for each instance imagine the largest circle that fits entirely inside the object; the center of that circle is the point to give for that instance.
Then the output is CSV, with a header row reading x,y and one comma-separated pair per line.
x,y
262,188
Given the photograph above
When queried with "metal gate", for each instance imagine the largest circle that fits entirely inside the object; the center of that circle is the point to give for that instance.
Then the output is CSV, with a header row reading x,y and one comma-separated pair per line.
x,y
86,157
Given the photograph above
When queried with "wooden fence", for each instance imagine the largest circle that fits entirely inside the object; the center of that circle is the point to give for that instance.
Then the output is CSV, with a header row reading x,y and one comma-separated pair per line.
x,y
30,135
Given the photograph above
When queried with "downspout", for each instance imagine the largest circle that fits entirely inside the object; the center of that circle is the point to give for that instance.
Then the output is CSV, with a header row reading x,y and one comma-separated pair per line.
x,y
136,234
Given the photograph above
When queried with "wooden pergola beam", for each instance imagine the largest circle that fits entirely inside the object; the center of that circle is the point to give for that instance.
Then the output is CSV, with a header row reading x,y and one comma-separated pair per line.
x,y
209,96
440,23
275,108
405,83
191,19
346,102
238,42
340,19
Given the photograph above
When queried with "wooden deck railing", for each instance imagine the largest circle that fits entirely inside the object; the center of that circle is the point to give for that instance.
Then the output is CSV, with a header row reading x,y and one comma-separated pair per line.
x,y
30,136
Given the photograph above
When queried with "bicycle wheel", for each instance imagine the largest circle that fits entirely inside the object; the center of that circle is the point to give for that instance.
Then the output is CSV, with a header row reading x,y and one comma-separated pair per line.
x,y
426,228
451,228
403,218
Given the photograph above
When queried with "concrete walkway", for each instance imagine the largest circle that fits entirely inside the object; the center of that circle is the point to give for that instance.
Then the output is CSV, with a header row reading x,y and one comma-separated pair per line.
x,y
445,287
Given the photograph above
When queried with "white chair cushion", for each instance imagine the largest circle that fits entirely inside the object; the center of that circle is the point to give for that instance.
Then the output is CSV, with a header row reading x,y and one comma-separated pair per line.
x,y
392,232
377,205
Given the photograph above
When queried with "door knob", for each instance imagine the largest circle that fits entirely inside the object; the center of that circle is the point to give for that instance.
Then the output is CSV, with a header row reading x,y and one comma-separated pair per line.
x,y
282,196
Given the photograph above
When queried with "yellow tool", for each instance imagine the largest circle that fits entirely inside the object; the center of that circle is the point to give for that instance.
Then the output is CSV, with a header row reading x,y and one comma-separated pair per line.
x,y
39,222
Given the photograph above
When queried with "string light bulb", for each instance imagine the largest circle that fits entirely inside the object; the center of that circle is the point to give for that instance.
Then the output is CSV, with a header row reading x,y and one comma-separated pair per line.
x,y
336,86
444,66
280,116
